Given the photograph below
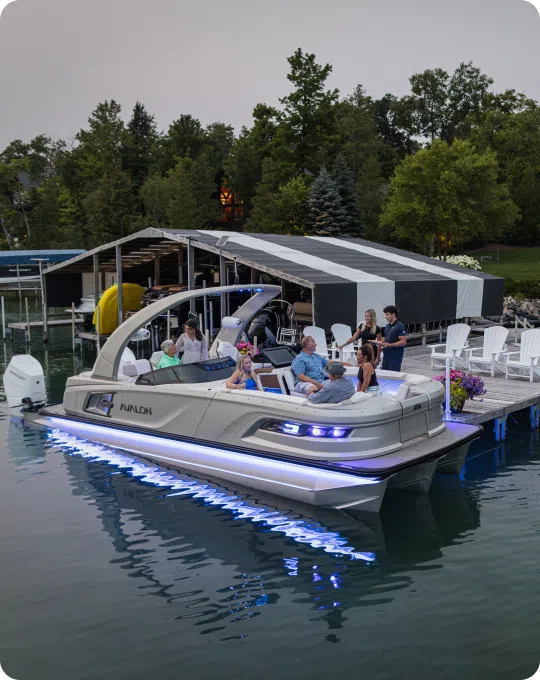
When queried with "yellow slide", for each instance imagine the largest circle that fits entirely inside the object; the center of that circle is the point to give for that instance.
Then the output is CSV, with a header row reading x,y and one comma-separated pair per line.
x,y
108,306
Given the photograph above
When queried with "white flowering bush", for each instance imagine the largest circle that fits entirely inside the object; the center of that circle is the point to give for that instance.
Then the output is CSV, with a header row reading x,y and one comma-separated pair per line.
x,y
463,261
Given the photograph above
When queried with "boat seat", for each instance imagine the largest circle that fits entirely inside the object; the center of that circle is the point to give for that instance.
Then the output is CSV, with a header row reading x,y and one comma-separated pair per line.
x,y
154,359
355,399
137,367
402,393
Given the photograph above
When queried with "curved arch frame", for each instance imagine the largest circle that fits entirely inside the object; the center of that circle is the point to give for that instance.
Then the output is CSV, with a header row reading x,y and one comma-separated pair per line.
x,y
107,363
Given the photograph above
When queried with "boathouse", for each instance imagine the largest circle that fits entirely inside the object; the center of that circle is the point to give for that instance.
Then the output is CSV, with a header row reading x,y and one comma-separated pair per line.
x,y
329,279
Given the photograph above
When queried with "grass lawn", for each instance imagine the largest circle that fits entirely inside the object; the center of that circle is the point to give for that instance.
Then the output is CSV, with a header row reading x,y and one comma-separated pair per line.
x,y
515,263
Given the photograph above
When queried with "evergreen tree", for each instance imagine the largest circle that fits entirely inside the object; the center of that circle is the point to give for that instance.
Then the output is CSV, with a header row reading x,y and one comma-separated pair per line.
x,y
326,214
344,180
138,147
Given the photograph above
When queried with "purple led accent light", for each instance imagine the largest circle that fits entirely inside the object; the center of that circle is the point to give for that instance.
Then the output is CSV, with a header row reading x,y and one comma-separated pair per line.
x,y
299,530
318,431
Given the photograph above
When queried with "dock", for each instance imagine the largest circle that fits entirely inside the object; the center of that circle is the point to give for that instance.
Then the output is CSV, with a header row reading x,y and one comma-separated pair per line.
x,y
23,325
503,396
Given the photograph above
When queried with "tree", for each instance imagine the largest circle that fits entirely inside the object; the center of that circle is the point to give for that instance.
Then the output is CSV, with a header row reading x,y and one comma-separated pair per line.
x,y
282,211
157,194
243,168
344,181
309,120
139,145
446,196
326,214
109,207
193,205
362,147
397,142
515,138
441,105
185,138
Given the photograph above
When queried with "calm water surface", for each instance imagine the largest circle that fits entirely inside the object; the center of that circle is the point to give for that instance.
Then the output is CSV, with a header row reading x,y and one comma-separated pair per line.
x,y
112,568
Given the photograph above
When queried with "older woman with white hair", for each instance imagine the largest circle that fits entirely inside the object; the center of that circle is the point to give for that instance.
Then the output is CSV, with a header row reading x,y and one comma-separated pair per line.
x,y
169,357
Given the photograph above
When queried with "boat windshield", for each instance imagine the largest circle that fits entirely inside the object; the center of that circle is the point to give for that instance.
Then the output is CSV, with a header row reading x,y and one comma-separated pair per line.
x,y
199,372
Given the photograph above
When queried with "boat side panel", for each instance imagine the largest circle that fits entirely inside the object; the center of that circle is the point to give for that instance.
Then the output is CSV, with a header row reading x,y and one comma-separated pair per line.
x,y
155,408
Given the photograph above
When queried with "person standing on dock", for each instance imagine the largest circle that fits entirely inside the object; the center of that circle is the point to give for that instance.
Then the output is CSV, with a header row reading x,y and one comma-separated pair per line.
x,y
395,338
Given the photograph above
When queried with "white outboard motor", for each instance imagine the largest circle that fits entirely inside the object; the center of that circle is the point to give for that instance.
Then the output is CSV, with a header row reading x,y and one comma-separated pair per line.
x,y
24,379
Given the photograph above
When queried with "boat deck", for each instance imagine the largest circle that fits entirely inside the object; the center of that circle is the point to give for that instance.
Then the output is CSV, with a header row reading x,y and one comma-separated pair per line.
x,y
503,396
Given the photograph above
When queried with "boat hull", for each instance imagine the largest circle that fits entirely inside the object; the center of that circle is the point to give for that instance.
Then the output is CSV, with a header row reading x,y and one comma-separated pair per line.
x,y
321,484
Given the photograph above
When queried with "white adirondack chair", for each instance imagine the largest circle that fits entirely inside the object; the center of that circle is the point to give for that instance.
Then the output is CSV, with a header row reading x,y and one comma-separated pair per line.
x,y
528,363
226,349
319,336
456,342
488,357
342,333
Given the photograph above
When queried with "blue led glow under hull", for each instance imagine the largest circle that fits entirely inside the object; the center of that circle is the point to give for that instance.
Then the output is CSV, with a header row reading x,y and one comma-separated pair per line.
x,y
304,483
300,530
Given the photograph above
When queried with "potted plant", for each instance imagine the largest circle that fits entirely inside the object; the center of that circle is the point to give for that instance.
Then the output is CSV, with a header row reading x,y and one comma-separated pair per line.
x,y
463,386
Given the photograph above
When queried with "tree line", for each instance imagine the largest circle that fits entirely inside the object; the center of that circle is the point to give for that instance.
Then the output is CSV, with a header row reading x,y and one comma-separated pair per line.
x,y
451,164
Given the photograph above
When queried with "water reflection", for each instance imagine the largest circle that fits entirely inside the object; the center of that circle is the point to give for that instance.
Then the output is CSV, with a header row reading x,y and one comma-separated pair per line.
x,y
221,558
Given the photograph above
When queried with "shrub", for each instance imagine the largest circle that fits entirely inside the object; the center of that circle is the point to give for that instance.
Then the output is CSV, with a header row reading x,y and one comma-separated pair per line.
x,y
522,289
463,261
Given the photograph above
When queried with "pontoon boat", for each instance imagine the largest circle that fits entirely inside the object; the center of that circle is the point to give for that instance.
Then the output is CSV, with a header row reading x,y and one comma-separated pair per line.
x,y
342,455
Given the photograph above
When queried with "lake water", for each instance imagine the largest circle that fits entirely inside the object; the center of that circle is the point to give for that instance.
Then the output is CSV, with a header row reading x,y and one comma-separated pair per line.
x,y
110,569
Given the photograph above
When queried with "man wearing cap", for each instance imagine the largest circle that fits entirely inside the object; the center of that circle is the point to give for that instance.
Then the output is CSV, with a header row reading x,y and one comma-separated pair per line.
x,y
337,389
308,368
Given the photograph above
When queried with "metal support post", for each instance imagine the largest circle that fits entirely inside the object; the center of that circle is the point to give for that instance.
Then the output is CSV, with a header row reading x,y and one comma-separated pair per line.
x,y
73,325
120,287
28,336
205,310
211,324
222,282
3,319
447,410
191,271
96,280
180,264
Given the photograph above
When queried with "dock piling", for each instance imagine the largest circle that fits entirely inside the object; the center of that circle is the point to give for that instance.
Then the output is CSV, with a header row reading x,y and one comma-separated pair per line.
x,y
27,333
73,325
2,303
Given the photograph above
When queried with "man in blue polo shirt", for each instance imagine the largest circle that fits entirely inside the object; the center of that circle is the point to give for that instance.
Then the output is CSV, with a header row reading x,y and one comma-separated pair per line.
x,y
395,338
308,368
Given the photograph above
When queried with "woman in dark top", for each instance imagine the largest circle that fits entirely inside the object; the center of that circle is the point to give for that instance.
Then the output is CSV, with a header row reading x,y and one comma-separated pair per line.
x,y
367,378
366,332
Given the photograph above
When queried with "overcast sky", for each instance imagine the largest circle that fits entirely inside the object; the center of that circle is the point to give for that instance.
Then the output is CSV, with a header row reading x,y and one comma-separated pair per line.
x,y
216,60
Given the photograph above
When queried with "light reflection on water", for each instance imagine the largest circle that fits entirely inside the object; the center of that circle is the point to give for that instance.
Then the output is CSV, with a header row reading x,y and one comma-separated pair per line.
x,y
298,530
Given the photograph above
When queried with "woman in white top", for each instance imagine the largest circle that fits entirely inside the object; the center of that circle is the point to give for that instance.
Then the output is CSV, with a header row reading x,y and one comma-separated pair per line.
x,y
193,343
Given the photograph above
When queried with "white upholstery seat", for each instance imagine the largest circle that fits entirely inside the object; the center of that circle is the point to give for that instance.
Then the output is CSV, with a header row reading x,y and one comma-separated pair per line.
x,y
154,359
319,336
402,393
137,367
226,349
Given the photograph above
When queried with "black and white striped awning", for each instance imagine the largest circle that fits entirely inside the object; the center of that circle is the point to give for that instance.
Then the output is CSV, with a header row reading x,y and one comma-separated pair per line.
x,y
347,275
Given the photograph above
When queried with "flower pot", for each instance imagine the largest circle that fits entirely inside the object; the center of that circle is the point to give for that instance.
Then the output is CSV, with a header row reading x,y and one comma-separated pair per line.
x,y
458,409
